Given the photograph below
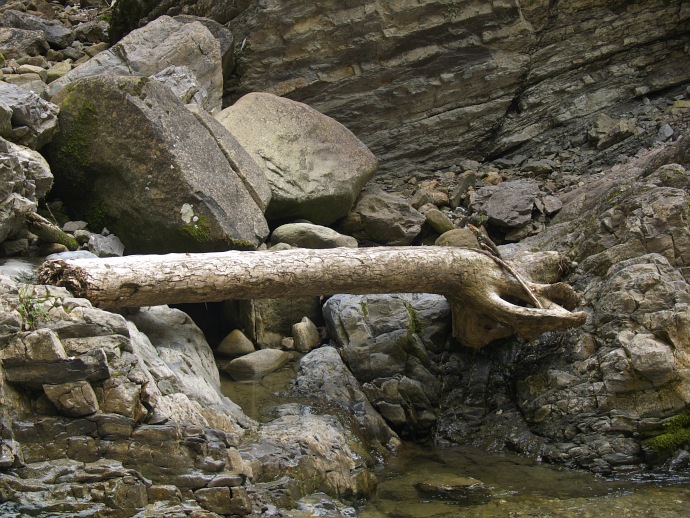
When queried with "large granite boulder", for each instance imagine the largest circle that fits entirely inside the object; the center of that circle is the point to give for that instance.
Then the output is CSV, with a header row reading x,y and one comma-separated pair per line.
x,y
153,174
316,167
25,118
383,218
180,49
393,345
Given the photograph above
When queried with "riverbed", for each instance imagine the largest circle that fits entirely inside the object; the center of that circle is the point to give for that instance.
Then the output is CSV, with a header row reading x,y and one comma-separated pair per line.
x,y
426,481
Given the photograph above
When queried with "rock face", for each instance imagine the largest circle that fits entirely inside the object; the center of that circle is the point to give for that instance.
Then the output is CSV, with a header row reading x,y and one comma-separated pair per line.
x,y
123,420
596,397
165,48
393,344
316,167
423,82
157,149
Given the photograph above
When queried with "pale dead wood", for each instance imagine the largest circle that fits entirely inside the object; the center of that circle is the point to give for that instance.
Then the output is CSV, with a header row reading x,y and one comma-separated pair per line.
x,y
488,302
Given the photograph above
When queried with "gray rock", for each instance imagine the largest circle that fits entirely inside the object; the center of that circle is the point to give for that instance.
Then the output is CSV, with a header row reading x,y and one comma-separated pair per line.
x,y
461,237
106,246
508,204
324,377
608,131
130,14
56,34
17,43
382,218
179,205
428,108
26,178
235,344
240,161
73,226
307,235
665,132
183,84
311,449
33,121
73,399
222,34
257,364
159,45
92,366
305,335
391,343
316,167
183,369
94,31
438,220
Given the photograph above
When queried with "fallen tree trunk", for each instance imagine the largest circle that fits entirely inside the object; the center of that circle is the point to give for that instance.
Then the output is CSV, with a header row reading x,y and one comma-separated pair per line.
x,y
487,301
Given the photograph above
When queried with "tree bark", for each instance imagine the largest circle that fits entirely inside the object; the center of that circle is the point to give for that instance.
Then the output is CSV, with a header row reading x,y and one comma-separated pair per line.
x,y
487,301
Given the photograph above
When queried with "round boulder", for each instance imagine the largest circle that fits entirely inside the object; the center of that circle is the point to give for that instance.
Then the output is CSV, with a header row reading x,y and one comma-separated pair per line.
x,y
316,167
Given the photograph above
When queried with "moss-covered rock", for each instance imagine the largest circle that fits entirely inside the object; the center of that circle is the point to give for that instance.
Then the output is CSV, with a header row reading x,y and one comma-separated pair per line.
x,y
131,157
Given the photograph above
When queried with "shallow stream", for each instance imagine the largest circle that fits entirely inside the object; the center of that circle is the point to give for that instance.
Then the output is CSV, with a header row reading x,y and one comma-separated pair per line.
x,y
428,481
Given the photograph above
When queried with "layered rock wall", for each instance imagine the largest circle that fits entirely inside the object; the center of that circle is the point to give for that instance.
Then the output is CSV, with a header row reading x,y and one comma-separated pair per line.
x,y
424,83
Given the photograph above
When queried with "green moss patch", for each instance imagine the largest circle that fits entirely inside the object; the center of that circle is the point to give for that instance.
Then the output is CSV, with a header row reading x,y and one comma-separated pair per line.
x,y
674,433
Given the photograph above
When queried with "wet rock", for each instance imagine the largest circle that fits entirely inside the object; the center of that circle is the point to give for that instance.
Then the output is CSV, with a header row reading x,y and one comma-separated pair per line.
x,y
391,343
382,218
324,377
256,364
33,120
316,167
307,235
308,453
161,44
179,205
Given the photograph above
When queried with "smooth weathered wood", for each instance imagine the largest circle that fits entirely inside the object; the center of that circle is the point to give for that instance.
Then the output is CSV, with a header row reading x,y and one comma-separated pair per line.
x,y
482,293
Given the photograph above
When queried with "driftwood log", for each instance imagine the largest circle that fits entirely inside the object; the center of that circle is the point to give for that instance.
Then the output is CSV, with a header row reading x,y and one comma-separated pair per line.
x,y
488,302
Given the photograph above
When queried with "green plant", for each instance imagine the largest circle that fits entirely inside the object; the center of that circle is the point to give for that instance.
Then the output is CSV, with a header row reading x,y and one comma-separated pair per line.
x,y
32,309
453,10
674,433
